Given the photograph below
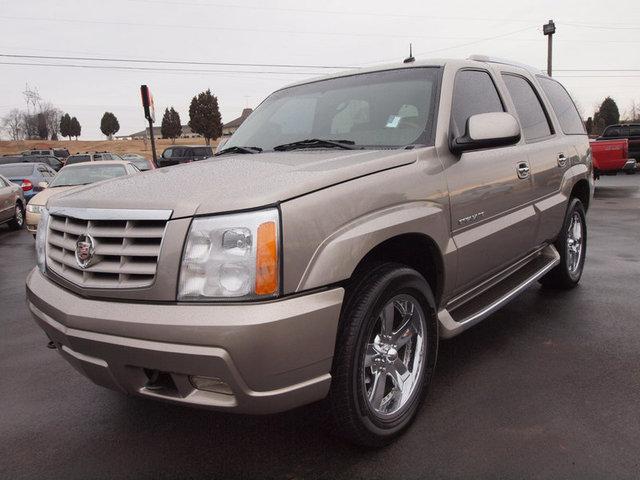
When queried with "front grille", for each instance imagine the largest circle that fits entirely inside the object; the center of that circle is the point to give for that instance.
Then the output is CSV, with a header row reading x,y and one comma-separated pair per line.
x,y
125,256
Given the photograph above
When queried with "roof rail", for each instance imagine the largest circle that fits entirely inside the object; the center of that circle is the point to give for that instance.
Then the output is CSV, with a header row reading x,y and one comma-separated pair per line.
x,y
487,59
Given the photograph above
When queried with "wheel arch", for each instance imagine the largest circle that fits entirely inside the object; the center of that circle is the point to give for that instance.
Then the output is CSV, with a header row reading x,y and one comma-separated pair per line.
x,y
581,191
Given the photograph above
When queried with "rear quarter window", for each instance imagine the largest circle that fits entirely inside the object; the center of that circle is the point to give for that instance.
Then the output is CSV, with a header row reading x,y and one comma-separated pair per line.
x,y
563,106
202,152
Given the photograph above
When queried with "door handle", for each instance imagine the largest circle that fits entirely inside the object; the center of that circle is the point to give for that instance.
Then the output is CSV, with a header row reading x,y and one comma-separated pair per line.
x,y
523,170
562,160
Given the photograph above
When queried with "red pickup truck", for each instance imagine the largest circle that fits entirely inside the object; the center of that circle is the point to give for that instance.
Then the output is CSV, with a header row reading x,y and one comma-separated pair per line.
x,y
609,156
617,149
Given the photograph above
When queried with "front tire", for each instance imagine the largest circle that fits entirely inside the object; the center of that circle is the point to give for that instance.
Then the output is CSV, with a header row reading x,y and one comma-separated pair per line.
x,y
572,246
385,355
17,223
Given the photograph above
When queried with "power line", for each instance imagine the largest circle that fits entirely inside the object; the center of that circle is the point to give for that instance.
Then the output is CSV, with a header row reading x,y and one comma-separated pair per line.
x,y
175,62
230,29
360,13
599,26
153,69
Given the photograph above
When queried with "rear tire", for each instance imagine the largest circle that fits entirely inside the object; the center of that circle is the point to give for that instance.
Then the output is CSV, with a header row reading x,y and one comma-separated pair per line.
x,y
385,355
17,223
572,247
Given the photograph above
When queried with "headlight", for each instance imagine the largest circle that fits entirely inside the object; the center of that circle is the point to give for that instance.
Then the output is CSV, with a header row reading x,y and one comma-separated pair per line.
x,y
41,240
35,208
231,257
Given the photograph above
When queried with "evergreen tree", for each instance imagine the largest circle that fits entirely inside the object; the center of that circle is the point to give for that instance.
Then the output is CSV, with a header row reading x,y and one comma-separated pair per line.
x,y
65,126
75,128
171,124
589,125
109,124
607,114
204,116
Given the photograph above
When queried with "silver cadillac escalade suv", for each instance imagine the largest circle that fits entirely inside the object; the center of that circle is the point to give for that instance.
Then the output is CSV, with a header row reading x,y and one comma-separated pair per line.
x,y
349,224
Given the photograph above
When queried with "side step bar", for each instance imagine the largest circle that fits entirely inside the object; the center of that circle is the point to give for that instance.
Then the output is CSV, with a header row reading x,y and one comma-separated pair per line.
x,y
480,307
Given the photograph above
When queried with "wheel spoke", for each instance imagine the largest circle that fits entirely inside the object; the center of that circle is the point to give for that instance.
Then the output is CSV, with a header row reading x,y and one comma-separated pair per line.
x,y
376,395
370,355
386,317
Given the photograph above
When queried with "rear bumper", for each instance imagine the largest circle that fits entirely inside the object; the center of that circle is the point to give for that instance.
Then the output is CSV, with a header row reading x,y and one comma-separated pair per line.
x,y
274,356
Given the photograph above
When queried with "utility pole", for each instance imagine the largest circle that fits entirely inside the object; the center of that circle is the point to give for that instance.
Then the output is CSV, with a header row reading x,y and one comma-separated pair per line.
x,y
549,29
150,115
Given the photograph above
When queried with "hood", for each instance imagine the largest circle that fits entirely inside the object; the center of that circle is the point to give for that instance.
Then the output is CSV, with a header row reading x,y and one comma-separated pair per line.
x,y
42,197
234,182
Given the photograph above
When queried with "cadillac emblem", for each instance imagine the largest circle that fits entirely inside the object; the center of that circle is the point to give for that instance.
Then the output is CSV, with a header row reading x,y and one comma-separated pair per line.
x,y
85,248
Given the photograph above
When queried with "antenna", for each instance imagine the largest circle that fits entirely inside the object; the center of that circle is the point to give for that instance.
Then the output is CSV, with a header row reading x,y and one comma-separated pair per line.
x,y
410,58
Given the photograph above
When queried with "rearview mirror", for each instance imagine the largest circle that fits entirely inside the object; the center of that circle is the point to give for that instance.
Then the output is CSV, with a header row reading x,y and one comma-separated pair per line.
x,y
43,185
487,130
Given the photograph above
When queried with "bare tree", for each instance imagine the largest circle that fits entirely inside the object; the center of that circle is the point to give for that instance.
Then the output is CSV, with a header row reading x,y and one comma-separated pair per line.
x,y
52,118
13,124
632,114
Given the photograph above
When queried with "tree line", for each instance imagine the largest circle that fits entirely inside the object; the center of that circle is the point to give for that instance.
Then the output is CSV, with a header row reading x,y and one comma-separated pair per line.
x,y
608,113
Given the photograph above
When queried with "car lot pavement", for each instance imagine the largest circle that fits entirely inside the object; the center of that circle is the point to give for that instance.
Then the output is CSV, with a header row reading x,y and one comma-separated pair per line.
x,y
548,387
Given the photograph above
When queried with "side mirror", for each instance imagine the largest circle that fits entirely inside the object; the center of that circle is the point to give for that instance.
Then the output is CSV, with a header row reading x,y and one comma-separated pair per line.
x,y
43,185
487,130
221,144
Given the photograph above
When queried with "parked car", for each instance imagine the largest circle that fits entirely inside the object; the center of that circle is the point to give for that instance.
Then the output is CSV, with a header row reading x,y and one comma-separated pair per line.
x,y
139,161
609,156
11,204
53,162
184,154
60,153
29,176
91,157
348,224
71,177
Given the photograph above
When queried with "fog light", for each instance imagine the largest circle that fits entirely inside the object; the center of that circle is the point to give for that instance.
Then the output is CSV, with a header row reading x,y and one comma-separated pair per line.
x,y
211,384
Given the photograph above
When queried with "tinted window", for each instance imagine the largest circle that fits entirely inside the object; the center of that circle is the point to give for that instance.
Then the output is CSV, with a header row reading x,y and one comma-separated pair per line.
x,y
202,152
388,108
168,153
5,160
634,130
473,93
565,109
16,170
533,118
615,131
78,159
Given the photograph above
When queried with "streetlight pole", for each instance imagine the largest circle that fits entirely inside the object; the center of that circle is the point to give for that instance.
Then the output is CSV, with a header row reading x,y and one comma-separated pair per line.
x,y
549,29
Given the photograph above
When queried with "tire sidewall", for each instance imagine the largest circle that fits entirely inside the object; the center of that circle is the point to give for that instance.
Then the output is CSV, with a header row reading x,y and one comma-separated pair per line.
x,y
401,281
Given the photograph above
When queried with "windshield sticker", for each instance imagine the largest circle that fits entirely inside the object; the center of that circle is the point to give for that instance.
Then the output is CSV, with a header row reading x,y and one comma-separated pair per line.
x,y
393,121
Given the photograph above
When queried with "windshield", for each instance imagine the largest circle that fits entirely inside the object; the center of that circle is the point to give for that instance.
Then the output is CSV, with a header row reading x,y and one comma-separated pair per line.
x,y
84,174
381,109
141,163
16,170
78,159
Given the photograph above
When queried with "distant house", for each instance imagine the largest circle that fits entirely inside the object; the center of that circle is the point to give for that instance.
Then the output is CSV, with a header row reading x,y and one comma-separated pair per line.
x,y
232,126
142,134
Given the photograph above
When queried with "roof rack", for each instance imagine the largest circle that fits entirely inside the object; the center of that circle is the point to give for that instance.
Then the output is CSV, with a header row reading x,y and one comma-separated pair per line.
x,y
488,59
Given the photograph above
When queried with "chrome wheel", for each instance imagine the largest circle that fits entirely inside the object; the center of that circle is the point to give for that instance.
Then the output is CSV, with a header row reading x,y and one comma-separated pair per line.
x,y
574,243
19,216
394,356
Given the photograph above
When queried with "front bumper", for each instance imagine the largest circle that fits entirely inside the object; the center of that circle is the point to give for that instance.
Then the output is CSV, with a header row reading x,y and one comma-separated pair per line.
x,y
274,355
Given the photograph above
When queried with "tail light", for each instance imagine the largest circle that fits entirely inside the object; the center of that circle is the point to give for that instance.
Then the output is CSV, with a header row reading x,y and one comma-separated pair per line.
x,y
26,185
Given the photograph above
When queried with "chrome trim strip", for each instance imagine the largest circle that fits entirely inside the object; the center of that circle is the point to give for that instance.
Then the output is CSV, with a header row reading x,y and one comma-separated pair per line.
x,y
111,213
451,327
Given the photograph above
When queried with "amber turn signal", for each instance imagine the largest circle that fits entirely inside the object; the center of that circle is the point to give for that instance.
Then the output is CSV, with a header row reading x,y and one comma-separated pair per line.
x,y
267,260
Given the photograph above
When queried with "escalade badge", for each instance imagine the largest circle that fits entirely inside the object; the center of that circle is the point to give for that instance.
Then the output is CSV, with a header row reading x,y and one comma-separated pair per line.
x,y
85,248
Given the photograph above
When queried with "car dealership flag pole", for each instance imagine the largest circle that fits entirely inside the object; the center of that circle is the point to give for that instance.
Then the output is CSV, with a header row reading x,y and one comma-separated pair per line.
x,y
150,115
549,29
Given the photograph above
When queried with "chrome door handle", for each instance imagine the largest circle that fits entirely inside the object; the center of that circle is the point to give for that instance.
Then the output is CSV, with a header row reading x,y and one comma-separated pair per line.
x,y
523,170
562,160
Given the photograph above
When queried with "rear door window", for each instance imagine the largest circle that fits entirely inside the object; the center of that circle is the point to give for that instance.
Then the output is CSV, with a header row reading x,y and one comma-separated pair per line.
x,y
566,111
201,152
474,92
533,118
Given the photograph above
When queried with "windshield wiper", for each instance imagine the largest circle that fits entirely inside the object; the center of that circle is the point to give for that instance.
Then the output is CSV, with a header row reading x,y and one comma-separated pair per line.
x,y
316,143
238,150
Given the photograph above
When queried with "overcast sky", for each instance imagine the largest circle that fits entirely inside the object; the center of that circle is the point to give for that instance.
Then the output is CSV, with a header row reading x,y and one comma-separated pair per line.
x,y
596,36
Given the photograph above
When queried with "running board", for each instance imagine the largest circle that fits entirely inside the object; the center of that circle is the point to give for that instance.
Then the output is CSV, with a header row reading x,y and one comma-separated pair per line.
x,y
480,307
